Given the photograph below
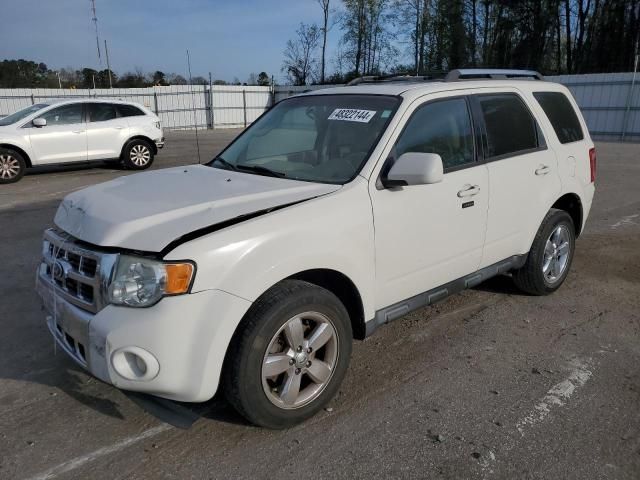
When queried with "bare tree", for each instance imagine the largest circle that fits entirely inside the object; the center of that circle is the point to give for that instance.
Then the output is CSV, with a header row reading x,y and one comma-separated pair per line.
x,y
324,4
299,56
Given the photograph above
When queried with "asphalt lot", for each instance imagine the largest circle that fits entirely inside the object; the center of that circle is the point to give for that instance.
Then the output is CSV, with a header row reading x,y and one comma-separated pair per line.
x,y
487,384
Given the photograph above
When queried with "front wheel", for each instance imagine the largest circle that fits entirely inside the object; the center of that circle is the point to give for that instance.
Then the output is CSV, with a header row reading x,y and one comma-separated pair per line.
x,y
137,155
289,355
12,166
550,256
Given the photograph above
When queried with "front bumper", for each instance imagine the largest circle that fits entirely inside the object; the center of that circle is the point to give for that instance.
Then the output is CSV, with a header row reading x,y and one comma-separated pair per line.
x,y
187,335
159,143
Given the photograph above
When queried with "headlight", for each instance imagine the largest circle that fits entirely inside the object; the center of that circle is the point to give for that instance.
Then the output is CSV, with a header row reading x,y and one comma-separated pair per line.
x,y
158,125
141,282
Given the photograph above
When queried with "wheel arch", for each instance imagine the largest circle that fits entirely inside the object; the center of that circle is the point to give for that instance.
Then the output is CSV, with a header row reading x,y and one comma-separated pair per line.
x,y
343,288
151,143
571,203
24,154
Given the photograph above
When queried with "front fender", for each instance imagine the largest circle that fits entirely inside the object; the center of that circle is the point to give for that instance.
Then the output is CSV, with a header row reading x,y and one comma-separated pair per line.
x,y
334,232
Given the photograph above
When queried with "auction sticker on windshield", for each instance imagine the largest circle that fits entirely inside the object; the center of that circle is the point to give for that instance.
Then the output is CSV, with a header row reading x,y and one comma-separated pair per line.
x,y
352,115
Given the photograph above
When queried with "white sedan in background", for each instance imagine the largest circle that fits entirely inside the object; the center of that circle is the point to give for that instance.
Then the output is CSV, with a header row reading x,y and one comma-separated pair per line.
x,y
70,131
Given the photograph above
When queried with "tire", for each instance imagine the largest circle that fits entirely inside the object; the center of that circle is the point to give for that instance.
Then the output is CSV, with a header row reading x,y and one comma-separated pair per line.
x,y
261,370
137,155
12,166
549,261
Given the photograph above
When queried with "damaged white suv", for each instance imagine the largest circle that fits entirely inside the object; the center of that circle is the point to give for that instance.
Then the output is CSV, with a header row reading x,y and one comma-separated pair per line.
x,y
334,213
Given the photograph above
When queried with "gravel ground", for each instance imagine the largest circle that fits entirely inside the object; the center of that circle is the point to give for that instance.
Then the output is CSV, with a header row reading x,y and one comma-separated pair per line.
x,y
487,384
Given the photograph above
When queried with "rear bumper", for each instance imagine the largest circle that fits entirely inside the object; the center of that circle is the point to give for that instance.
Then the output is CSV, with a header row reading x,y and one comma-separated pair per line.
x,y
183,339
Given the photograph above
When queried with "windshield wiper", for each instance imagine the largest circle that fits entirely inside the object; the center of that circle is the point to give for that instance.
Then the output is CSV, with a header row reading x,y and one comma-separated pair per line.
x,y
259,169
224,163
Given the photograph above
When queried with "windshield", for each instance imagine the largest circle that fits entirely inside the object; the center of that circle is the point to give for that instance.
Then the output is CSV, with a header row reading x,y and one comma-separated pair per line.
x,y
20,114
320,138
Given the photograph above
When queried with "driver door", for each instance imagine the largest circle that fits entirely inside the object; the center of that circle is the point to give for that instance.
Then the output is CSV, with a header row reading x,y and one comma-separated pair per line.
x,y
428,235
64,137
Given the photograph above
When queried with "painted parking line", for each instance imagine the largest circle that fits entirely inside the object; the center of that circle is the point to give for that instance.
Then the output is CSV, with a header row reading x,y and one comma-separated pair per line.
x,y
626,221
558,395
78,462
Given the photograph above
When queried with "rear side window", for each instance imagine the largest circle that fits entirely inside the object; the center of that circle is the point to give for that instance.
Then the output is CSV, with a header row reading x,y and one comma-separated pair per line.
x,y
510,126
101,112
129,111
561,114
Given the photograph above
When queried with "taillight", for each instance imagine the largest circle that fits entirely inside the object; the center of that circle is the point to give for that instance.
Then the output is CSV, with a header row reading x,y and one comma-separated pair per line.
x,y
592,164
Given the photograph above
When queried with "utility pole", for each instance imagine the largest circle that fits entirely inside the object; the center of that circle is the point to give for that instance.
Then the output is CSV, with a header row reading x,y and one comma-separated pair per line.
x,y
59,82
106,54
94,19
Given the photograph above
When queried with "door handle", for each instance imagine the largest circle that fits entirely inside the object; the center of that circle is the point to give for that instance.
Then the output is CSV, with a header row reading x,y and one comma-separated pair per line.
x,y
119,128
77,131
542,170
469,191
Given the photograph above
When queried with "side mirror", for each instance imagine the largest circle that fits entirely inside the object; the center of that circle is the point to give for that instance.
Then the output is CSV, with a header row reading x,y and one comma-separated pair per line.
x,y
415,168
39,122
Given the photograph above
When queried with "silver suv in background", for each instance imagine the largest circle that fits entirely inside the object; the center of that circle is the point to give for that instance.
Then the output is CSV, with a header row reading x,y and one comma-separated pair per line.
x,y
70,131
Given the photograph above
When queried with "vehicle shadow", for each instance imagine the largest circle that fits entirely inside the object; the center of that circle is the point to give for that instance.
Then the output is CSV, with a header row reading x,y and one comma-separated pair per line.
x,y
75,167
502,284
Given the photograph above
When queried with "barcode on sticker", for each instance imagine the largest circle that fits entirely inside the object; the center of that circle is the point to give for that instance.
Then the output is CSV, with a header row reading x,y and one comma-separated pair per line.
x,y
352,115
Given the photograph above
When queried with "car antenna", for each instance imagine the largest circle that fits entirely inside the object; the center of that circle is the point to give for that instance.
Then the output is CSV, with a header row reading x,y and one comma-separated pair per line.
x,y
193,104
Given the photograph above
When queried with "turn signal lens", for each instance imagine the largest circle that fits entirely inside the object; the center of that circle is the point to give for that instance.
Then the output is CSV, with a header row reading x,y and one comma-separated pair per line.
x,y
178,278
142,282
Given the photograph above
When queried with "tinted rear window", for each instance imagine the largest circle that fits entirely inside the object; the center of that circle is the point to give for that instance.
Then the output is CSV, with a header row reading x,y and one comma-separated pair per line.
x,y
101,112
562,116
511,129
129,110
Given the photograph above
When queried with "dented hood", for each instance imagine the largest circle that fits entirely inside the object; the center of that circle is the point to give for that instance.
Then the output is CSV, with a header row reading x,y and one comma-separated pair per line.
x,y
148,211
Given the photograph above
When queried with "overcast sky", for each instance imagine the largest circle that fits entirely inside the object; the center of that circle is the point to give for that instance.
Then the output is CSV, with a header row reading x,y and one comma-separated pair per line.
x,y
228,38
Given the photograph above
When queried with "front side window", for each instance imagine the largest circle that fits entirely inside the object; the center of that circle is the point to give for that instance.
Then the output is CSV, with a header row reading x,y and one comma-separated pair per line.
x,y
562,116
101,112
318,138
65,115
442,127
20,114
510,127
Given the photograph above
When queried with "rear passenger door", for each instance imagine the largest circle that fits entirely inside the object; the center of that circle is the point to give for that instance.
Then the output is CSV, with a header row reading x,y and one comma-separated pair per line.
x,y
106,131
523,173
572,147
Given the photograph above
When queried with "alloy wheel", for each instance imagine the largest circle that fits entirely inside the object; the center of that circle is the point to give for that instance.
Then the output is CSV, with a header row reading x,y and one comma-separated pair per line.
x,y
300,360
140,155
9,166
556,254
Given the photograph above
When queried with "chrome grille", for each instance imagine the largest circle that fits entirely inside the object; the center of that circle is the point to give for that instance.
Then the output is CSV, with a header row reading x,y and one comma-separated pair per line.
x,y
73,270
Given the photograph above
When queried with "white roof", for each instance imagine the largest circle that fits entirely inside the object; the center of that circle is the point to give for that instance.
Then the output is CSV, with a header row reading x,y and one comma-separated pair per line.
x,y
56,101
410,89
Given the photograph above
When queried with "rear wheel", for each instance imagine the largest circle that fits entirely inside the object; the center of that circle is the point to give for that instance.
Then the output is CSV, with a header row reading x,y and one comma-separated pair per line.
x,y
550,256
289,356
138,155
12,166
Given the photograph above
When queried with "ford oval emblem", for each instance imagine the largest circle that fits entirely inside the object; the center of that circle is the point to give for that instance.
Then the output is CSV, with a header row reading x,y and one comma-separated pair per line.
x,y
58,271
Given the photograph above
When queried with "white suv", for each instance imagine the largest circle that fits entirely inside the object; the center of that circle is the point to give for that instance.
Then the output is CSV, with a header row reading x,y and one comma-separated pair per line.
x,y
334,213
69,131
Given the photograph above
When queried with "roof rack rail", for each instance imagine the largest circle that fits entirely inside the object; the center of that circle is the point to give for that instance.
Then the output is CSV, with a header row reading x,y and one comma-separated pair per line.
x,y
491,74
452,76
399,77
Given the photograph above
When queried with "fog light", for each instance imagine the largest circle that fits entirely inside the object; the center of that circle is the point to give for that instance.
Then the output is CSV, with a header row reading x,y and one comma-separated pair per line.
x,y
135,363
